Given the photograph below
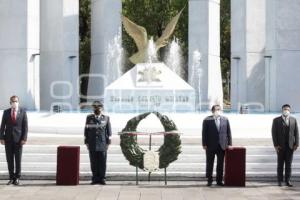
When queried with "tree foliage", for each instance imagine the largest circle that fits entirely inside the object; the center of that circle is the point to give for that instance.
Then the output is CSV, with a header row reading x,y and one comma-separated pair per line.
x,y
84,43
154,15
225,45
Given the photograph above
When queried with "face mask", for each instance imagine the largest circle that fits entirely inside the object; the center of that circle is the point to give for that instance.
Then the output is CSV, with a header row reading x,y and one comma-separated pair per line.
x,y
15,105
98,111
217,113
286,113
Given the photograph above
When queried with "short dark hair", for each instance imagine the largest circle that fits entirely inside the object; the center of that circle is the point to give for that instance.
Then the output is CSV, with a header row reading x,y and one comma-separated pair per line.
x,y
213,108
286,106
13,97
97,104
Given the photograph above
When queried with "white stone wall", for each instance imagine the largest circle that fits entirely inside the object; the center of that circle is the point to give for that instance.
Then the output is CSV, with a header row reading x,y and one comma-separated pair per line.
x,y
106,24
265,45
204,36
19,46
59,53
283,47
248,35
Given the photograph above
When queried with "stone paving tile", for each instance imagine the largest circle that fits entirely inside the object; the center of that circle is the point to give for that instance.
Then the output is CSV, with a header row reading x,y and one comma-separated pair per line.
x,y
175,190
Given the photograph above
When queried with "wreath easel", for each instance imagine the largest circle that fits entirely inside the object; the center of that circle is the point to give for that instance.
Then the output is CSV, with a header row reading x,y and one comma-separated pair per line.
x,y
168,152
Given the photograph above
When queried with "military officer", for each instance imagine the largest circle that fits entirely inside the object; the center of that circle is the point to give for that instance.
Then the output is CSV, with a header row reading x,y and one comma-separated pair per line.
x,y
97,139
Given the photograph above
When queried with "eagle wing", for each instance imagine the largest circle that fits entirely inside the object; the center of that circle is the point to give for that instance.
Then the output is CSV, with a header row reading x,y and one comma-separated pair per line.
x,y
163,40
138,33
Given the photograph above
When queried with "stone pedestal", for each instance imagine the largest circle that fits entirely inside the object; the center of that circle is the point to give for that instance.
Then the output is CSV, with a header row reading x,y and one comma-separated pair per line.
x,y
149,87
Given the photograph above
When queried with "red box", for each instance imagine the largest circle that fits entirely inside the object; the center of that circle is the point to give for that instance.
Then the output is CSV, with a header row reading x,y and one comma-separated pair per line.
x,y
235,166
68,159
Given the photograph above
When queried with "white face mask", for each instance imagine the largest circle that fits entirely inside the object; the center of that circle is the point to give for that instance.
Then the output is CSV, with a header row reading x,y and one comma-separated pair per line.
x,y
15,105
217,113
286,113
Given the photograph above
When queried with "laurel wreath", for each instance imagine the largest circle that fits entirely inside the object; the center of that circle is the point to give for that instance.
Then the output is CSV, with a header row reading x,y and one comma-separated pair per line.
x,y
168,151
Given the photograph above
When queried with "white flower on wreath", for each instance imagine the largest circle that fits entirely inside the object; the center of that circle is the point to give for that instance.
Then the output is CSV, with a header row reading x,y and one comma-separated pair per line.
x,y
151,161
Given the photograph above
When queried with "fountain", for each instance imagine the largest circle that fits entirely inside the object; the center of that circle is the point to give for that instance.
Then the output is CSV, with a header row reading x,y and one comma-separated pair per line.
x,y
150,85
174,58
114,58
196,77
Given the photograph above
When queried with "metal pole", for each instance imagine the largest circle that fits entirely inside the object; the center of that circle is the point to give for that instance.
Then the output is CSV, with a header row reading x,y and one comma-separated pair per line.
x,y
150,141
136,176
165,176
136,171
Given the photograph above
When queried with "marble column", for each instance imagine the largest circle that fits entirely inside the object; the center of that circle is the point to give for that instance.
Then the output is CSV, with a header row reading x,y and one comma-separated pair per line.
x,y
106,25
59,54
19,52
204,52
283,48
248,40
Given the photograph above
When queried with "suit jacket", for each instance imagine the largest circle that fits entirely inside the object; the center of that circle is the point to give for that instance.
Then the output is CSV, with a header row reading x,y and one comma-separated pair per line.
x,y
278,134
97,132
211,137
14,132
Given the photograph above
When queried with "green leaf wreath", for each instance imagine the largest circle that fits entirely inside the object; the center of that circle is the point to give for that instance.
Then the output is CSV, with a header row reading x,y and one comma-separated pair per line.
x,y
168,152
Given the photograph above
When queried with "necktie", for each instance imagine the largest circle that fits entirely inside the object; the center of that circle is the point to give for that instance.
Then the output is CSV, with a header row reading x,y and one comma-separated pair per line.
x,y
14,119
218,123
286,121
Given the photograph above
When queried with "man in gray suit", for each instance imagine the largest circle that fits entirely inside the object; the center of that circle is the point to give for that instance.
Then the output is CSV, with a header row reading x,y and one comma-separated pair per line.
x,y
97,134
13,134
286,140
216,137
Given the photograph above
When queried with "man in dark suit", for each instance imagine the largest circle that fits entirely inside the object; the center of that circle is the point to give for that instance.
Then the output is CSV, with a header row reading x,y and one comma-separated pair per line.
x,y
285,137
97,139
216,137
13,134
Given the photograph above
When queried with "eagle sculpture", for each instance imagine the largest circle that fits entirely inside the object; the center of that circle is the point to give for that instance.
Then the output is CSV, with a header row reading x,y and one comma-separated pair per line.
x,y
139,35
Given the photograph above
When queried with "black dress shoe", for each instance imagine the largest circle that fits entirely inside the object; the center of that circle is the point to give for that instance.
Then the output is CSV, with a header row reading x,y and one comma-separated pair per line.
x,y
209,183
93,182
220,183
11,181
289,184
17,182
279,184
102,182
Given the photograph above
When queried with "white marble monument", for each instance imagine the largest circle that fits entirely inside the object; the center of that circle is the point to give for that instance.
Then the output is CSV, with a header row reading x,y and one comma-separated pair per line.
x,y
106,23
19,52
282,54
204,52
247,53
265,56
59,54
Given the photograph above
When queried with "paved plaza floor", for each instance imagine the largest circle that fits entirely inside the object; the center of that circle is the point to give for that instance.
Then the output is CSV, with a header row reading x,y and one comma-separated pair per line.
x,y
115,190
